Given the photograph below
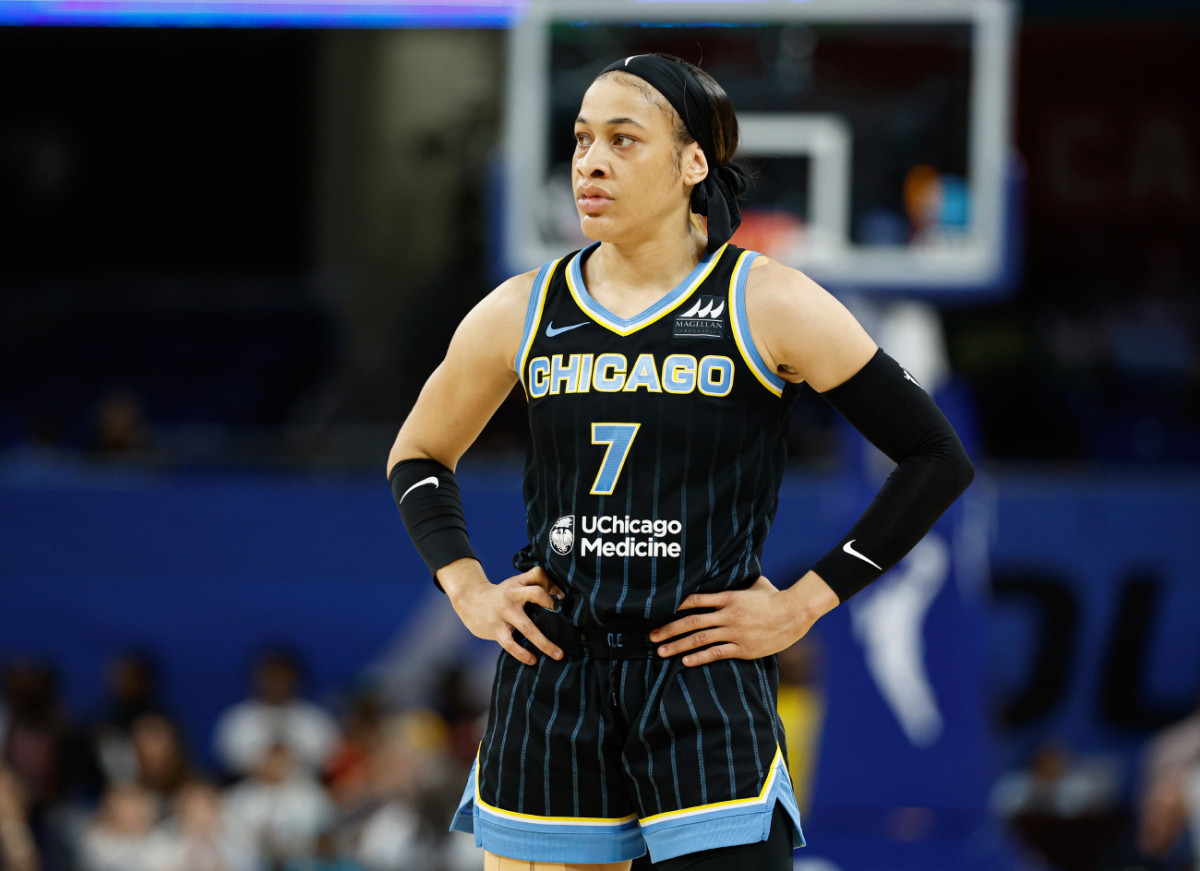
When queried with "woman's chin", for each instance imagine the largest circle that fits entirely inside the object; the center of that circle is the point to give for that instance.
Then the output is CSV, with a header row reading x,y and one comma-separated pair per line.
x,y
602,228
596,228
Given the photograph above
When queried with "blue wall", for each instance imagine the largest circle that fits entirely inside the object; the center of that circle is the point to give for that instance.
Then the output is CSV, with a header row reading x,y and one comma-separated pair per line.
x,y
1096,605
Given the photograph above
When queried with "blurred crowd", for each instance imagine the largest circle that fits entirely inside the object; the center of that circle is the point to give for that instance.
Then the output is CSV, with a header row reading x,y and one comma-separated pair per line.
x,y
1077,812
294,786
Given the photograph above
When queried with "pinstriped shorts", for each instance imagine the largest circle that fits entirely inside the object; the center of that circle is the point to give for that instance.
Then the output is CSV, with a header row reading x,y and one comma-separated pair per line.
x,y
595,760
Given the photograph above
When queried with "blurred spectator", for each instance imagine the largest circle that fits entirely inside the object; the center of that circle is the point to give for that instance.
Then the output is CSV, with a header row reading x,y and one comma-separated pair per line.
x,y
1162,823
163,766
47,752
348,771
1172,751
276,715
131,680
1157,839
1064,808
279,810
120,423
123,836
462,713
1191,801
1168,799
34,730
17,849
200,838
1057,784
390,833
415,787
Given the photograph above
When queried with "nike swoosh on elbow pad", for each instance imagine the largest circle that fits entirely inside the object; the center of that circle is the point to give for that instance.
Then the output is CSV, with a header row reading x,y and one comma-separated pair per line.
x,y
430,480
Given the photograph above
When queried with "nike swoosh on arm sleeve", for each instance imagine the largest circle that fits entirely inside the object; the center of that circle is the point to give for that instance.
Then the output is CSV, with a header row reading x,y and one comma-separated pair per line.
x,y
932,470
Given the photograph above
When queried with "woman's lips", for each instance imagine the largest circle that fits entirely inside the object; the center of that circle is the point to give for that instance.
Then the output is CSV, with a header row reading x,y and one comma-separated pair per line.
x,y
592,203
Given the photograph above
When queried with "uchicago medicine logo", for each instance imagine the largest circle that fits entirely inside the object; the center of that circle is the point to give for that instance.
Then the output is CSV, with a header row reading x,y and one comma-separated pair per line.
x,y
617,535
562,534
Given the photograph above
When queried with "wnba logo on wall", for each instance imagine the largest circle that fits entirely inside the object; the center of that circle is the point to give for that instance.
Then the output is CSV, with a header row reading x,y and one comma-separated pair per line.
x,y
562,534
702,319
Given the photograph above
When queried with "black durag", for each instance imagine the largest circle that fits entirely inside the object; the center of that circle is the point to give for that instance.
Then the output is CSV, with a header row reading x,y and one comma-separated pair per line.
x,y
716,197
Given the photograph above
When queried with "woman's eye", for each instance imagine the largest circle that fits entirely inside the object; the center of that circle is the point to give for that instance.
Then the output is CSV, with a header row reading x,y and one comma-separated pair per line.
x,y
622,139
581,139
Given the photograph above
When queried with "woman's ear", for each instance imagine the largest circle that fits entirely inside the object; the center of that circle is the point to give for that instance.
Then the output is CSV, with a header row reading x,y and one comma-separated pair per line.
x,y
695,164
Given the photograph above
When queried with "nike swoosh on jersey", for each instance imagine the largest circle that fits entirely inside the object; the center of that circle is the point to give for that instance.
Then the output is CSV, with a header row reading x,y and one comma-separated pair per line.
x,y
430,480
848,549
552,331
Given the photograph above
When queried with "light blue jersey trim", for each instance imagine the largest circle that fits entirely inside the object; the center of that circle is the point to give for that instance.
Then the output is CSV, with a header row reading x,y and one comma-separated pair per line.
x,y
625,326
533,316
741,325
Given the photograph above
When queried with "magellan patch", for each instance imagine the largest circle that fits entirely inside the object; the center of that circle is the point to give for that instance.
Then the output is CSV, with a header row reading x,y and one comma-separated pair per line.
x,y
702,319
562,534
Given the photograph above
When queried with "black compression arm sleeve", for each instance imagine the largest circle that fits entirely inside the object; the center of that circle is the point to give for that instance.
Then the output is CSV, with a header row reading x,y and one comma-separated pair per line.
x,y
891,411
430,504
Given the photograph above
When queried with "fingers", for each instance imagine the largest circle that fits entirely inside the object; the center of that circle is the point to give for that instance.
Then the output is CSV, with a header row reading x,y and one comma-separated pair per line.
x,y
497,611
538,640
539,596
698,630
691,623
521,623
715,627
705,600
712,654
506,604
690,642
537,576
506,640
726,649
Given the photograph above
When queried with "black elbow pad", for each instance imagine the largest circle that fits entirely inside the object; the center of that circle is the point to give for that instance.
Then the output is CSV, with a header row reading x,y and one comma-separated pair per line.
x,y
892,411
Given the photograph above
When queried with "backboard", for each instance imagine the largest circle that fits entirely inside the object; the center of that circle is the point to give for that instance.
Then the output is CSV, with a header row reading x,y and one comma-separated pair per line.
x,y
878,129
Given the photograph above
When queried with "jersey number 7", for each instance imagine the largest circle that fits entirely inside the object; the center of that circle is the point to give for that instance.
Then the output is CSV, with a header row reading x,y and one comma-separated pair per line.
x,y
619,438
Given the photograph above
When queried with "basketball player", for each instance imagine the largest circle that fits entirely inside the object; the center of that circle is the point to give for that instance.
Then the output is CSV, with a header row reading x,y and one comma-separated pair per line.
x,y
634,700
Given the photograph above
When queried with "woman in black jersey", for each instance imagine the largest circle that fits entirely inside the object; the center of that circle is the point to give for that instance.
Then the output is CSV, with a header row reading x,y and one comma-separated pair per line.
x,y
634,701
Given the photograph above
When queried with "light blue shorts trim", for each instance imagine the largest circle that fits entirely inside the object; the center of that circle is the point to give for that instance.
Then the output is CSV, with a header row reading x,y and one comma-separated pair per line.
x,y
547,839
724,824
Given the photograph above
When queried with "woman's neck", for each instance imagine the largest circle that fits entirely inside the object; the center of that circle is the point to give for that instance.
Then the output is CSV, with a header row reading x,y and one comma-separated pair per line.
x,y
631,276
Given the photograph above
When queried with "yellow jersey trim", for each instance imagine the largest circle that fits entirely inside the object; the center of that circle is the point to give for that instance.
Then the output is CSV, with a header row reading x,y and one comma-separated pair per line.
x,y
623,326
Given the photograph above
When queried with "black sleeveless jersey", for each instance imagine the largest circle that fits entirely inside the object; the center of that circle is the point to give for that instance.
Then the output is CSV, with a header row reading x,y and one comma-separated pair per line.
x,y
657,442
